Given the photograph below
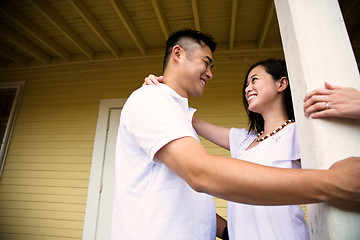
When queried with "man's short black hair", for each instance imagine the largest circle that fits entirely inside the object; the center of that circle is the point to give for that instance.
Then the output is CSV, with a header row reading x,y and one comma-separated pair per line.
x,y
179,38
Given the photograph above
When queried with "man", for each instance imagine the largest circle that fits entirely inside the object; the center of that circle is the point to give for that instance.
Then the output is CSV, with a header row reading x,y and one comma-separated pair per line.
x,y
164,175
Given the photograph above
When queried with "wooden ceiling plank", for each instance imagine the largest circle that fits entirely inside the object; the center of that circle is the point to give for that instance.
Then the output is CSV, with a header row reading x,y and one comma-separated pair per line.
x,y
266,24
161,18
233,23
13,56
128,24
355,32
29,26
63,27
348,7
196,14
90,19
355,36
22,43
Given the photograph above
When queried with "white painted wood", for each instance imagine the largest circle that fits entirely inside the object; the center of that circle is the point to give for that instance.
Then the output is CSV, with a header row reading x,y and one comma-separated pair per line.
x,y
95,202
108,178
19,86
317,49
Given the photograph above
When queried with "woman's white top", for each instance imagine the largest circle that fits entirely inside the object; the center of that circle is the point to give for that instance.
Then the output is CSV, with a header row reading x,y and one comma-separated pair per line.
x,y
247,222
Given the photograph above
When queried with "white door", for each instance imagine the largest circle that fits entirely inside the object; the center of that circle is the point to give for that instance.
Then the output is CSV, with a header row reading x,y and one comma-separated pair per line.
x,y
99,204
107,183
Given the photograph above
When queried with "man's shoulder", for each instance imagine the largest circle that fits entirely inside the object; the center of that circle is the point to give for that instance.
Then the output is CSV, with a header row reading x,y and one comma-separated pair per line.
x,y
149,98
149,93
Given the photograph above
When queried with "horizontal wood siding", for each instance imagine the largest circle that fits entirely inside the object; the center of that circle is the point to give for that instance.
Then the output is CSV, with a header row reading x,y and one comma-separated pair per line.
x,y
43,188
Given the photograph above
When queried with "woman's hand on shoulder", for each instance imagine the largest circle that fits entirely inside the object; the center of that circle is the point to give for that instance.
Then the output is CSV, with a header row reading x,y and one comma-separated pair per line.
x,y
153,80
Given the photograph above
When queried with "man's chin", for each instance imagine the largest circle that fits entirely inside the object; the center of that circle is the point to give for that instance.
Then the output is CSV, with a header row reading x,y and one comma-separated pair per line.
x,y
198,94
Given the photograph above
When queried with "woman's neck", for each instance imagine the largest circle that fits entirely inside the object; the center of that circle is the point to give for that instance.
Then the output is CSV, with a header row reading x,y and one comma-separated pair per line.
x,y
273,120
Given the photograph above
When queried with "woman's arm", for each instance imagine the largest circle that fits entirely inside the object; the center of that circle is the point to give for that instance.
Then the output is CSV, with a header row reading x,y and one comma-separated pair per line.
x,y
216,134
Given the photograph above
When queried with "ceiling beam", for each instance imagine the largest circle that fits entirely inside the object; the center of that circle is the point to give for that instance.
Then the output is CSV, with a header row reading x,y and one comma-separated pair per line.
x,y
62,26
196,15
266,24
22,43
90,19
13,55
348,7
354,32
233,24
128,24
15,15
161,18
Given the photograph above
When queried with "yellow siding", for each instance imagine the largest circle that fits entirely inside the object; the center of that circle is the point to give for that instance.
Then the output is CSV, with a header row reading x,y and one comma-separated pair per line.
x,y
43,188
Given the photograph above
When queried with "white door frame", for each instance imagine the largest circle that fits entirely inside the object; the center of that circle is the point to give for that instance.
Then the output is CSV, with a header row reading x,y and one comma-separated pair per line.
x,y
97,166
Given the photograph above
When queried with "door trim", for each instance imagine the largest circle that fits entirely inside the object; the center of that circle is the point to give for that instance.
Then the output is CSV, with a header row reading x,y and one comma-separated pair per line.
x,y
92,203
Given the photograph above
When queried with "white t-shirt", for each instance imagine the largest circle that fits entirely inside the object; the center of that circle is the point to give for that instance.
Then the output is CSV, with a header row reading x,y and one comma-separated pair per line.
x,y
249,222
151,202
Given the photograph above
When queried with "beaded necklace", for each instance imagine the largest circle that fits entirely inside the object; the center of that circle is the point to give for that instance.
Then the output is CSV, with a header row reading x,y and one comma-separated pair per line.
x,y
273,132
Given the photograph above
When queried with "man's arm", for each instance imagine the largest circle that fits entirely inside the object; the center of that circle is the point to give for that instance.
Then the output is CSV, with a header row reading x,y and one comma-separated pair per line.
x,y
249,183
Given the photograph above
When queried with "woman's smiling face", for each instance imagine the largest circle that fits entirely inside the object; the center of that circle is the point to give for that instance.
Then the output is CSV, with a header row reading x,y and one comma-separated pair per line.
x,y
261,89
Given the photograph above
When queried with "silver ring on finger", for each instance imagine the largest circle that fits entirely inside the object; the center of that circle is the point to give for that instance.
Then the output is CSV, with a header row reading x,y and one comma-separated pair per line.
x,y
326,105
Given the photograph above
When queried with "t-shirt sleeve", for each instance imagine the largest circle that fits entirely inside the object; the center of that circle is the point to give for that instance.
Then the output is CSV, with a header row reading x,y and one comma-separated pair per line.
x,y
236,137
154,118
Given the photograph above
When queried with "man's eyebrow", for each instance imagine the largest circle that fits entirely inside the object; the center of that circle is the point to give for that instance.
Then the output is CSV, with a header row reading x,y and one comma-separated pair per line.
x,y
209,58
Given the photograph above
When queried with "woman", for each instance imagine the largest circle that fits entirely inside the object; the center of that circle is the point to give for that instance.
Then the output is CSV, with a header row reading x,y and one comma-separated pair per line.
x,y
270,140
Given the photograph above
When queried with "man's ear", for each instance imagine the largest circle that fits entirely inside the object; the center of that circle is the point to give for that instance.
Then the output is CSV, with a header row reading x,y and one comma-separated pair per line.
x,y
283,84
176,52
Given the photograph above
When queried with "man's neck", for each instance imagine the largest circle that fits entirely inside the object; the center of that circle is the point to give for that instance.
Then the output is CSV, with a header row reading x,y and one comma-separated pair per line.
x,y
171,81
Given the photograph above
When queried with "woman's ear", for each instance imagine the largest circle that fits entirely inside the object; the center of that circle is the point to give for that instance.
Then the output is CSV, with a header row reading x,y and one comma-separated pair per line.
x,y
282,84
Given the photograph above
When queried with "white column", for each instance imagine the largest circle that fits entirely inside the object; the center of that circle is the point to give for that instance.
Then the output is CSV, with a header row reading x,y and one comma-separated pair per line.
x,y
317,49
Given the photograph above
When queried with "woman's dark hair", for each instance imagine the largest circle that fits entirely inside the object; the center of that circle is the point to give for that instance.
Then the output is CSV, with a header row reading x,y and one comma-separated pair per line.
x,y
277,69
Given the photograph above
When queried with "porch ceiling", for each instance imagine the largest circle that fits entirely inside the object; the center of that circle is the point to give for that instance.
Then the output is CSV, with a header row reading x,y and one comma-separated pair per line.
x,y
49,32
